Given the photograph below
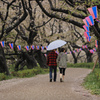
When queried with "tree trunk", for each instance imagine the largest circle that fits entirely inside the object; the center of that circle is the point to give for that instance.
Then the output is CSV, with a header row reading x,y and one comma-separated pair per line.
x,y
75,60
89,57
31,62
41,59
3,64
28,59
99,51
20,61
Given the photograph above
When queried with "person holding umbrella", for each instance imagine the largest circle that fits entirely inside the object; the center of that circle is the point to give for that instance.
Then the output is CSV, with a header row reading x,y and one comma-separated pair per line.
x,y
52,57
51,62
62,63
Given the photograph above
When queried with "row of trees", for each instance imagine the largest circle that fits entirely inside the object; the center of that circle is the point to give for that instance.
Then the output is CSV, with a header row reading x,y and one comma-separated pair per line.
x,y
28,21
72,11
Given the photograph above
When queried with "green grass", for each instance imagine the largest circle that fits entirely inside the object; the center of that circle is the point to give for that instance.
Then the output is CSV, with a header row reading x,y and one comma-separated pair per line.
x,y
82,65
92,82
30,72
4,77
24,73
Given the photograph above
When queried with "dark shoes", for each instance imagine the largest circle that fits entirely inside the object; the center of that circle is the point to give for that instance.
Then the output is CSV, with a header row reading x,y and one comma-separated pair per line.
x,y
50,80
54,80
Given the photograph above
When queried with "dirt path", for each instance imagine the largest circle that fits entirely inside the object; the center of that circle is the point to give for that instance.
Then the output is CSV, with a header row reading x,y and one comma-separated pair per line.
x,y
39,87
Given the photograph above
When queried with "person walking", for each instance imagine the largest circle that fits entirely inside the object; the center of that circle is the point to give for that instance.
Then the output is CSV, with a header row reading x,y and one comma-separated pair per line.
x,y
62,63
51,62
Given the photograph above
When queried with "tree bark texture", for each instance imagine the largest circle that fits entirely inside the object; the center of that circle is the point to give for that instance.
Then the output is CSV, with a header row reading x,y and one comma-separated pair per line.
x,y
3,64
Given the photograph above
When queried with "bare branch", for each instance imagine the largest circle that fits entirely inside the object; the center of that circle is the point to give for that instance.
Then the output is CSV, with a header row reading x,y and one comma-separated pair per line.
x,y
20,20
69,20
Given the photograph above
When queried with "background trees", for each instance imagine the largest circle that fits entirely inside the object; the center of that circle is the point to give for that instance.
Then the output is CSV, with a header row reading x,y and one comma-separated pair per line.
x,y
38,22
18,26
72,11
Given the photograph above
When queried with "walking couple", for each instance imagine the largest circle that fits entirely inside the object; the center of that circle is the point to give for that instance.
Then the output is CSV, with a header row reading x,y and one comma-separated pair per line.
x,y
54,60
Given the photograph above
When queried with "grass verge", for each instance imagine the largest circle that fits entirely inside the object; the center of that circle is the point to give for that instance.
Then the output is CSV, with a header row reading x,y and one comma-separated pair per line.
x,y
24,73
92,82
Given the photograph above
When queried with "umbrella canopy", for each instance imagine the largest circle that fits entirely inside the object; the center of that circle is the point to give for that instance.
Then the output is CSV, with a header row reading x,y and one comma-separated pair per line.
x,y
56,44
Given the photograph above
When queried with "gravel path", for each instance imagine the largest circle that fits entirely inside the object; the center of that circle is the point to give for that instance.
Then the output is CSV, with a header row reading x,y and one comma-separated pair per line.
x,y
39,87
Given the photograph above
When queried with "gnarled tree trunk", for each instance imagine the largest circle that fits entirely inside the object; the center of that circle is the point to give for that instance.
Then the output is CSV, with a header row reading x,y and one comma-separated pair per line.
x,y
99,51
28,59
3,64
41,59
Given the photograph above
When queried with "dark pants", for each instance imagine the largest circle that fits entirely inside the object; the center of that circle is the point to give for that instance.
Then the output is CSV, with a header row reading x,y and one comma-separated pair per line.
x,y
51,68
62,71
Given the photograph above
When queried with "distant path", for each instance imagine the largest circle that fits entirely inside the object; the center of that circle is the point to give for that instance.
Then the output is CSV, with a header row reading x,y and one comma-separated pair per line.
x,y
39,87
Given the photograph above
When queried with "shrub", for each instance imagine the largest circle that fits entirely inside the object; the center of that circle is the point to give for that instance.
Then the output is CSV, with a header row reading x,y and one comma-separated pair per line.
x,y
24,73
3,76
30,72
82,65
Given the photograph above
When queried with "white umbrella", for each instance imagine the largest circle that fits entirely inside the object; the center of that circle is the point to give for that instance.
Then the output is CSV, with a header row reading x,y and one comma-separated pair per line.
x,y
56,44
